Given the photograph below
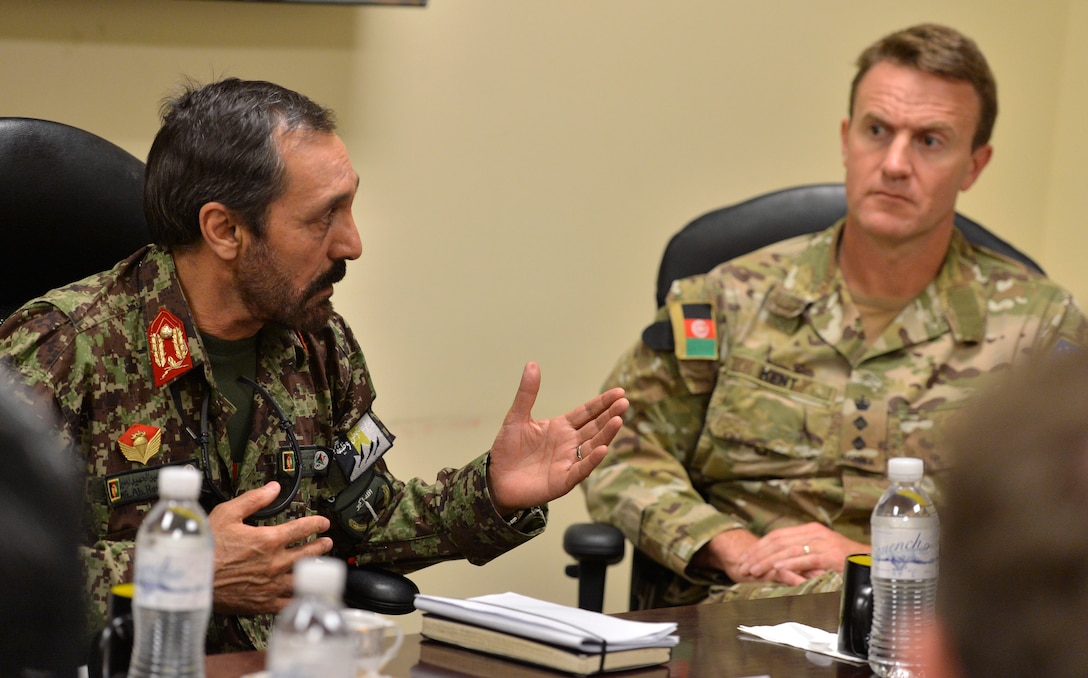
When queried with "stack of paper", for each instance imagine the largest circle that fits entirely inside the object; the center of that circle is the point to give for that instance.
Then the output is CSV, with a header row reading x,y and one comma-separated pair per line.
x,y
540,632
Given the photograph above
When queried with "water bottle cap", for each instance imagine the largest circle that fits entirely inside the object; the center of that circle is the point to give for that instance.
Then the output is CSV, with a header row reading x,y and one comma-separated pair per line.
x,y
180,482
320,576
905,468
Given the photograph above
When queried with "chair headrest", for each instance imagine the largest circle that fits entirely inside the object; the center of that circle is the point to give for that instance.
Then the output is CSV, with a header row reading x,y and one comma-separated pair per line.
x,y
71,205
729,232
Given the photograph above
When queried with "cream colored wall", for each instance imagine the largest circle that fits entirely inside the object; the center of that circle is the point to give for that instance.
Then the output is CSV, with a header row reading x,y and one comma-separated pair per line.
x,y
1064,236
523,164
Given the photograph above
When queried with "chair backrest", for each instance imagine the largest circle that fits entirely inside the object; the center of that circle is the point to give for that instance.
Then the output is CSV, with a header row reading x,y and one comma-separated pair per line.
x,y
729,232
71,205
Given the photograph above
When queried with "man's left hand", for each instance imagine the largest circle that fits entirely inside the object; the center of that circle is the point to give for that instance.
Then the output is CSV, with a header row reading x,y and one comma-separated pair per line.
x,y
534,462
798,553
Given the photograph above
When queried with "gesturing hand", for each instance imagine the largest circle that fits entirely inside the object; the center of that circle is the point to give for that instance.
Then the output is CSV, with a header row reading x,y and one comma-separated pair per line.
x,y
253,564
534,462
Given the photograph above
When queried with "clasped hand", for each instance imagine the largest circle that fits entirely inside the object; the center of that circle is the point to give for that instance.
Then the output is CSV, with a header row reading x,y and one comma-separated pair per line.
x,y
788,555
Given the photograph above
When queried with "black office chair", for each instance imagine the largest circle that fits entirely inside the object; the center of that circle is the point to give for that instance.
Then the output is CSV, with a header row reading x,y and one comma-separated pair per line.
x,y
71,206
709,240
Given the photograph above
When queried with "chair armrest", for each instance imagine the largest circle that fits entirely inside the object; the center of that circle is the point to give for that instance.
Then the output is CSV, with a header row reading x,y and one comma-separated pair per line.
x,y
595,546
594,542
380,591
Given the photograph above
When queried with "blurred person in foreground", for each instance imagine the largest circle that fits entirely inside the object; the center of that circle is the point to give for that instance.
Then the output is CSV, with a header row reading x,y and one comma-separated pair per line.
x,y
1012,599
749,466
40,601
218,346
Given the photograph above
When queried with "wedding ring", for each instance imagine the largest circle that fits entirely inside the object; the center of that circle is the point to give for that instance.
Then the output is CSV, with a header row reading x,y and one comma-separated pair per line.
x,y
807,549
578,453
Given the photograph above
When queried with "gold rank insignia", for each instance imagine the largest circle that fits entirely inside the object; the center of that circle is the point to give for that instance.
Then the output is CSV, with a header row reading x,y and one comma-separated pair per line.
x,y
140,442
169,347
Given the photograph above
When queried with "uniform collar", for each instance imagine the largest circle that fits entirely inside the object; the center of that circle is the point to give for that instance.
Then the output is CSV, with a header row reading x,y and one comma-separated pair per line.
x,y
159,280
954,301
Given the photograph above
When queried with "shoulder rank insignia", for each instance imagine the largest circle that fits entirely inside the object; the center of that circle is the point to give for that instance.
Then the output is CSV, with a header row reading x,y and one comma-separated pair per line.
x,y
140,442
694,330
169,347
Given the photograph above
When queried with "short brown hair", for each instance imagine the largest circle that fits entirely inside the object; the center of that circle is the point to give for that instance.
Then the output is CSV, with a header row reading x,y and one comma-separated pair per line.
x,y
941,51
218,143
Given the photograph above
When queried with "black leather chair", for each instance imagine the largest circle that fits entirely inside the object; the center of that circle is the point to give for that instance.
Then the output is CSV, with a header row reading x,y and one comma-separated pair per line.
x,y
71,206
709,240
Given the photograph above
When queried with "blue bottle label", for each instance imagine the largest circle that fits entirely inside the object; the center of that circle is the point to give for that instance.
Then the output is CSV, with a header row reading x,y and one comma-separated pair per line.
x,y
900,553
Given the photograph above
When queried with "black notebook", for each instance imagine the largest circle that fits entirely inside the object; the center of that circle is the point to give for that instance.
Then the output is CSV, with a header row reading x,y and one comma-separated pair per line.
x,y
490,641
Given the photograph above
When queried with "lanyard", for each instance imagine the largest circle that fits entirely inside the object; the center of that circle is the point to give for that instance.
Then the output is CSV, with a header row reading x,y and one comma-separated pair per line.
x,y
204,440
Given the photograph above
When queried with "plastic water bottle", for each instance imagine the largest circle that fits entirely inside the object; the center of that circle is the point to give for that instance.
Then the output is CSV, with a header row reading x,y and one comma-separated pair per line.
x,y
904,572
310,638
175,556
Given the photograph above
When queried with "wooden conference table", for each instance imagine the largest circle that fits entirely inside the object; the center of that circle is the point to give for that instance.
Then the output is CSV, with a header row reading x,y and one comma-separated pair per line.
x,y
710,646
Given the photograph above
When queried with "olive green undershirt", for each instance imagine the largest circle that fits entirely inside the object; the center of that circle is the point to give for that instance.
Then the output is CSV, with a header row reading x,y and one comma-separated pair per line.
x,y
230,360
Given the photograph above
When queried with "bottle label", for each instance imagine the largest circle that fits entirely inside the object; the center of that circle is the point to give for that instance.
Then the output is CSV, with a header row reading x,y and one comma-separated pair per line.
x,y
900,553
172,578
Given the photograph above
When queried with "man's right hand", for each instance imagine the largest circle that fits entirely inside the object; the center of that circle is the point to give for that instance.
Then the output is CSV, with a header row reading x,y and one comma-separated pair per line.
x,y
253,564
725,552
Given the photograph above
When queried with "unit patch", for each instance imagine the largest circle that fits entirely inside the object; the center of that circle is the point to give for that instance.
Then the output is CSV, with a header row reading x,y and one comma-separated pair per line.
x,y
364,444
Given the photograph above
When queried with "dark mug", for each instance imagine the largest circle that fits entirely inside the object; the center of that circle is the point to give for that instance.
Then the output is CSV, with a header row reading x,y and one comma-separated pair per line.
x,y
856,607
112,649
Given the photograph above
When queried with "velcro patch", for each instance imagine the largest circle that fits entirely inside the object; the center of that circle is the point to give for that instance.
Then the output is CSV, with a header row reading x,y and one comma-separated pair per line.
x,y
1065,346
140,485
695,330
315,460
359,505
362,446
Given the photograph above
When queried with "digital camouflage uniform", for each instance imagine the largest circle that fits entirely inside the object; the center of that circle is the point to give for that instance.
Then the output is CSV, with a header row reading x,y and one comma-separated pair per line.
x,y
790,417
86,347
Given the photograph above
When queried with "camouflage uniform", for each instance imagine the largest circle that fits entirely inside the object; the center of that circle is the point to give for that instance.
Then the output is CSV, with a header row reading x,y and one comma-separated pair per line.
x,y
86,347
791,418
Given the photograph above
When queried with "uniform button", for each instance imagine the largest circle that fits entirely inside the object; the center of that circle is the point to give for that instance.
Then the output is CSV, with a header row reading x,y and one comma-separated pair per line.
x,y
860,423
859,443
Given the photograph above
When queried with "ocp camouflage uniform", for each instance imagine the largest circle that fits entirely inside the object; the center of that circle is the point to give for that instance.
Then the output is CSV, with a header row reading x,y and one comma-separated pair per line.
x,y
86,348
792,418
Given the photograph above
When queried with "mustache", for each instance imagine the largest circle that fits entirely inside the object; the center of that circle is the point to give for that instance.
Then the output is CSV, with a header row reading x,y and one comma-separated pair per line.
x,y
334,275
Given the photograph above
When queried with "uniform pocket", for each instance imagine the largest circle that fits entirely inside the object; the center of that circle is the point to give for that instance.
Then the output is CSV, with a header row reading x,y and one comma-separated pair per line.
x,y
767,421
918,430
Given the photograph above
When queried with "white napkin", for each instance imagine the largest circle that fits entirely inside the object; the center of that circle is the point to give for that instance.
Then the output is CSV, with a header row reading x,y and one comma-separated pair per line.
x,y
802,637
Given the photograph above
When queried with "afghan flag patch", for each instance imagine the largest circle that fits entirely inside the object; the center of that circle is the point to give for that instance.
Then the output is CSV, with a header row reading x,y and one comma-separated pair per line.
x,y
694,329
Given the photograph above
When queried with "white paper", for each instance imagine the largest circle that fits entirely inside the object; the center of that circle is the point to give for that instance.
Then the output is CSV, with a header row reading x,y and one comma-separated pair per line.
x,y
551,623
802,637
